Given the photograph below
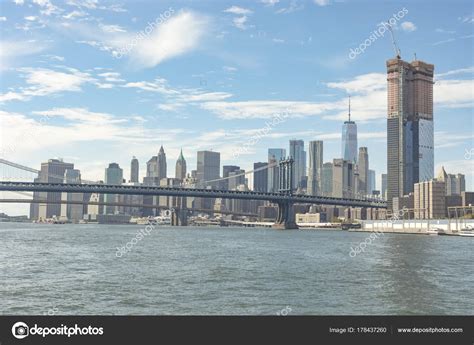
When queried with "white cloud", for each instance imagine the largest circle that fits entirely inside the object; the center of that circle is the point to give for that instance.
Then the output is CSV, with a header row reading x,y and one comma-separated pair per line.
x,y
47,7
278,40
12,51
239,22
456,71
112,28
42,82
75,14
321,2
269,2
408,26
238,10
3,19
31,18
19,2
293,7
177,36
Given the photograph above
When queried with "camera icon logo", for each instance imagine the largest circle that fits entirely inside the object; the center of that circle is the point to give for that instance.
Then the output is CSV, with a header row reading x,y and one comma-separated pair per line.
x,y
20,330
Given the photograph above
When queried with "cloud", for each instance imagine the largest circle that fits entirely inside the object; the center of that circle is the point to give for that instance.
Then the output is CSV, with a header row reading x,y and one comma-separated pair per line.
x,y
3,19
238,10
321,2
278,40
43,82
408,26
269,2
11,51
175,37
456,71
293,7
239,22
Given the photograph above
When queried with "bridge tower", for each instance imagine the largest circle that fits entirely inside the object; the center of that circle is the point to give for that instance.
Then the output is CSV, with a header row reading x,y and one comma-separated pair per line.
x,y
286,215
179,216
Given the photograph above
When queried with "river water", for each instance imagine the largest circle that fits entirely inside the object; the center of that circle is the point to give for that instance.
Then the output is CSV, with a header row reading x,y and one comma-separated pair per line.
x,y
77,269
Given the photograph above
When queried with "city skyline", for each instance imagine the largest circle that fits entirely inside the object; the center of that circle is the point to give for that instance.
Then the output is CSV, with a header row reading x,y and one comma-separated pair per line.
x,y
197,99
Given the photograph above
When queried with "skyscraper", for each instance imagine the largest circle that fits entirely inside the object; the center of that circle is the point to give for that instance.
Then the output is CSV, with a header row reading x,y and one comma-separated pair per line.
x,y
410,156
72,212
315,167
363,169
342,178
349,139
326,179
161,163
274,156
371,182
181,167
384,186
455,184
208,166
114,176
260,177
298,154
51,171
134,170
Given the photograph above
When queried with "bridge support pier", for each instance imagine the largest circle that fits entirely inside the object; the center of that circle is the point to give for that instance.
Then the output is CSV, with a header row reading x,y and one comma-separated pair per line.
x,y
286,217
179,216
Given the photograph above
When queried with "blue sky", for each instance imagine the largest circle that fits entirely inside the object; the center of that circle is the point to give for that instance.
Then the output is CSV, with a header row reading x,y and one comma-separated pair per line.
x,y
210,75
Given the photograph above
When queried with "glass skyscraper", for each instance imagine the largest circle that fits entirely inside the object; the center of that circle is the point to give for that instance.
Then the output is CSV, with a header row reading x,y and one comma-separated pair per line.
x,y
349,139
410,153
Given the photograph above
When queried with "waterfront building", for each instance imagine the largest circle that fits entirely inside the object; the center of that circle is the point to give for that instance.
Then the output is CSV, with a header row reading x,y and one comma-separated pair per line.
x,y
326,179
384,186
410,152
429,199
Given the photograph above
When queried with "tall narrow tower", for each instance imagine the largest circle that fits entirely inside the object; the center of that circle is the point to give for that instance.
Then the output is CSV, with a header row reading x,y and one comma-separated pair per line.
x,y
349,138
410,153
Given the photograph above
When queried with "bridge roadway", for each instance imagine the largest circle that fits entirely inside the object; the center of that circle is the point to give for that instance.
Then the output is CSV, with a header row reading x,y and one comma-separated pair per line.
x,y
278,198
285,200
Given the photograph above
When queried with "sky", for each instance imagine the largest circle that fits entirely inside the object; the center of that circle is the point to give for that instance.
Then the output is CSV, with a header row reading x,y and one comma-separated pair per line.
x,y
95,81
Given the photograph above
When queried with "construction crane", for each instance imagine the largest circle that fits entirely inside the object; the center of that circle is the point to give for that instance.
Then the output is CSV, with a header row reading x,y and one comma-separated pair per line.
x,y
394,43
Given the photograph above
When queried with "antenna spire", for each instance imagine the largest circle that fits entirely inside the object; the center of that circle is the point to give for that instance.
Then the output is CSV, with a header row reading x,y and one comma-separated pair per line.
x,y
349,108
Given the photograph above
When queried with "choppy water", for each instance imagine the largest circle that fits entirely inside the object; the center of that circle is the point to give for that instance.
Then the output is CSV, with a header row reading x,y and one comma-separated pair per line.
x,y
74,269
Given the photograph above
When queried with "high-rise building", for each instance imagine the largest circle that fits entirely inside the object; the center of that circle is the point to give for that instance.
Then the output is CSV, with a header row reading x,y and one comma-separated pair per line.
x,y
113,176
161,163
384,186
342,179
410,153
455,184
274,156
181,167
349,139
134,170
363,169
208,167
315,167
371,182
51,171
226,170
298,154
236,178
429,199
326,179
72,212
260,177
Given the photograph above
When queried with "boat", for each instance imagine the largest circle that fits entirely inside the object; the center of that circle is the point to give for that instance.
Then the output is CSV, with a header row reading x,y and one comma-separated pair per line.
x,y
466,233
434,231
